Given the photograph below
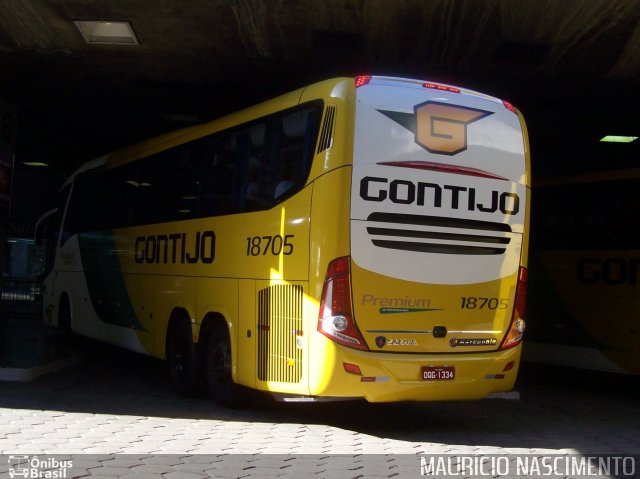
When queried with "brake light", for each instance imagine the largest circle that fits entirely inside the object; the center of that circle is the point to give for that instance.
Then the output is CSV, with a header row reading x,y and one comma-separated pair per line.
x,y
335,320
509,106
362,80
518,325
437,86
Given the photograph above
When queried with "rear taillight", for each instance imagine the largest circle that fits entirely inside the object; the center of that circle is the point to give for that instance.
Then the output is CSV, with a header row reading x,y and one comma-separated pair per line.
x,y
438,86
517,326
362,80
336,313
509,106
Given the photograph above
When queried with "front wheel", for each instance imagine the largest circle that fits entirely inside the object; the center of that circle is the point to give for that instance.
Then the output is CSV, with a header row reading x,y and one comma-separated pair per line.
x,y
217,368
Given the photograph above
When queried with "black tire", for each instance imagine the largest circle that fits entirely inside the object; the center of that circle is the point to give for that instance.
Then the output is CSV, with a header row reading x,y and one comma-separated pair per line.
x,y
183,360
217,369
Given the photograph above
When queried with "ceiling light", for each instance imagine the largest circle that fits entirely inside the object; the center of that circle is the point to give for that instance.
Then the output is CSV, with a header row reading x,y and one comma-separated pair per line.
x,y
34,163
111,33
618,139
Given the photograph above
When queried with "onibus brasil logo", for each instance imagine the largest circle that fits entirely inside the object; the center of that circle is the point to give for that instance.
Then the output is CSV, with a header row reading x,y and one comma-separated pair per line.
x,y
34,467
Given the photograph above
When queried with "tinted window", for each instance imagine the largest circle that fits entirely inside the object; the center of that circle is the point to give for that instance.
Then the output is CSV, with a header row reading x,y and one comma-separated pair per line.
x,y
247,168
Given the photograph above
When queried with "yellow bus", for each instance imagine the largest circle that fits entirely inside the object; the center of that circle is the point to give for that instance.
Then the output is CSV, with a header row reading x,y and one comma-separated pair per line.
x,y
356,238
585,271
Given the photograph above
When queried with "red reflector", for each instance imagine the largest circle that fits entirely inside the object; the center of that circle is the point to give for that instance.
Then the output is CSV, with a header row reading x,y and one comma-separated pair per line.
x,y
521,294
517,326
509,106
508,367
437,86
362,80
523,275
352,369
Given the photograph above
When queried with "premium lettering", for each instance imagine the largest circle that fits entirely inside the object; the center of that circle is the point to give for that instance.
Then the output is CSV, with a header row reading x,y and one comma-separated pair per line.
x,y
405,192
399,302
176,248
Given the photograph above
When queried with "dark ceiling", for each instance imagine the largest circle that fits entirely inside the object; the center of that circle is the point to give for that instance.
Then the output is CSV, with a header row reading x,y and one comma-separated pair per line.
x,y
572,66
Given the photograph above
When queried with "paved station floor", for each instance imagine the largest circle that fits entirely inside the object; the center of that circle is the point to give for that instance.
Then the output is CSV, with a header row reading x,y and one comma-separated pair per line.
x,y
118,406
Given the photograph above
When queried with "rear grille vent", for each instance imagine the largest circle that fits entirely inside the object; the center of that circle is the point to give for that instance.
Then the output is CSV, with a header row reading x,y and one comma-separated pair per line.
x,y
279,330
451,235
326,134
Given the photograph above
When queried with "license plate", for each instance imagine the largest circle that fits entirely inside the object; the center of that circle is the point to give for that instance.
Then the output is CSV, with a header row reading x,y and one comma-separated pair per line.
x,y
438,373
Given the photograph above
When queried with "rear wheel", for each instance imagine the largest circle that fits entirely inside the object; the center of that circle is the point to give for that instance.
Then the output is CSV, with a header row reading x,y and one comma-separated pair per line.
x,y
217,368
183,360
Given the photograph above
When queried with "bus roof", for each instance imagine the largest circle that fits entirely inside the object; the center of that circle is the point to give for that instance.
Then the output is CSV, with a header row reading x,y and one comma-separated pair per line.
x,y
174,138
415,83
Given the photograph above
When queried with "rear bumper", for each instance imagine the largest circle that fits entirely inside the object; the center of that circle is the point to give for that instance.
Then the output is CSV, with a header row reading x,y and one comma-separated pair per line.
x,y
398,377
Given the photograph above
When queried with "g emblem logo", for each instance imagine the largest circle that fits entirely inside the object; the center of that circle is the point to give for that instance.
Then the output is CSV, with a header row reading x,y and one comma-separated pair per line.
x,y
442,128
438,127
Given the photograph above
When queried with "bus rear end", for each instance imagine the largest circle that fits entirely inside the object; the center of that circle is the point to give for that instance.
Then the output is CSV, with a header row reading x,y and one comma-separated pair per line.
x,y
429,305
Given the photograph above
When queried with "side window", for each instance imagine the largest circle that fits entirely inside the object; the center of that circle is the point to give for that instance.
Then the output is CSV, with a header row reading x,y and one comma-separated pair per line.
x,y
273,156
83,206
173,193
157,188
225,176
126,186
246,168
248,145
187,187
47,239
70,220
47,233
209,182
294,141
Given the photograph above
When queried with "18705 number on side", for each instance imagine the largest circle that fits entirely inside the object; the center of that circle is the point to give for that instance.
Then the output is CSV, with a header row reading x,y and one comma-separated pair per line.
x,y
270,245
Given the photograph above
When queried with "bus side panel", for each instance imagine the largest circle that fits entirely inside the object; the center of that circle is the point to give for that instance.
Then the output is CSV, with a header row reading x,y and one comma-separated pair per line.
x,y
247,334
98,293
264,244
585,272
583,291
144,302
330,239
